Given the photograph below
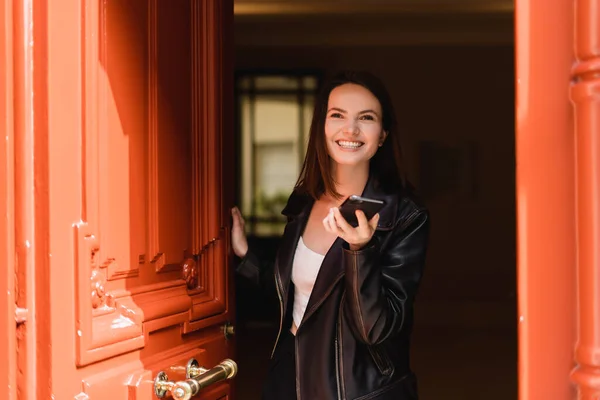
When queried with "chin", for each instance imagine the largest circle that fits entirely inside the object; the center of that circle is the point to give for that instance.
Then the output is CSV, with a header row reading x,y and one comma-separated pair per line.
x,y
350,161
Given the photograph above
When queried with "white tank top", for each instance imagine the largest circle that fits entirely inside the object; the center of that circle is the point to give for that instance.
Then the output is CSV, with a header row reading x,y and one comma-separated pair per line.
x,y
305,269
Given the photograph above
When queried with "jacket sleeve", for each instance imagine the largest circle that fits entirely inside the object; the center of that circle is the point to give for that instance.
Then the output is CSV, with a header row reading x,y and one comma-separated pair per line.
x,y
381,282
260,273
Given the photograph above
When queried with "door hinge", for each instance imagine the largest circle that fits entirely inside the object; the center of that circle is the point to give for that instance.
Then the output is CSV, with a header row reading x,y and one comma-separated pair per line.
x,y
21,315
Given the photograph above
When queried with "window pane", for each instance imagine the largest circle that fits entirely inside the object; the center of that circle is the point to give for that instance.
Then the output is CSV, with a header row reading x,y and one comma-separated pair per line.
x,y
276,118
276,175
276,82
276,172
309,82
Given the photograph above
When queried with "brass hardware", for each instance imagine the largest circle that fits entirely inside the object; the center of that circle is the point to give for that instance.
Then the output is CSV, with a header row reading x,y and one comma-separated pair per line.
x,y
197,378
228,330
162,385
194,369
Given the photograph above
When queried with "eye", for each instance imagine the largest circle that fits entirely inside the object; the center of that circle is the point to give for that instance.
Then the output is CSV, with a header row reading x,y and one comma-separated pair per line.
x,y
367,117
335,115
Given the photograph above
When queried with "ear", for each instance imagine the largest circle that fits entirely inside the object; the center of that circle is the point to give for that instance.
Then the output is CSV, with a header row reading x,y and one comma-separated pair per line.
x,y
382,138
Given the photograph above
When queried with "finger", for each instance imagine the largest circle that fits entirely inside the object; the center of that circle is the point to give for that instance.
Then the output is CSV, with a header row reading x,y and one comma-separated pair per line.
x,y
374,221
238,220
341,221
327,224
332,225
363,224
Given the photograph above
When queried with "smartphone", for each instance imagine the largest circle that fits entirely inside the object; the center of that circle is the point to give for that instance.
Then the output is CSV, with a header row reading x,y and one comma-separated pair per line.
x,y
369,206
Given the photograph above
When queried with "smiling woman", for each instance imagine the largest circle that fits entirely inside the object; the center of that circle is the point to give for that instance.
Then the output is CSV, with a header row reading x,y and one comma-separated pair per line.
x,y
346,293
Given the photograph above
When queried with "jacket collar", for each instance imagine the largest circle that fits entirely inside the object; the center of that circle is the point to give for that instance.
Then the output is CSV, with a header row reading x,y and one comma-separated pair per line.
x,y
300,204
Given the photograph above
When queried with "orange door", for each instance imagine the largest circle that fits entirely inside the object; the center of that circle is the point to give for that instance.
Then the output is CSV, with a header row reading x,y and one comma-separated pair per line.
x,y
122,109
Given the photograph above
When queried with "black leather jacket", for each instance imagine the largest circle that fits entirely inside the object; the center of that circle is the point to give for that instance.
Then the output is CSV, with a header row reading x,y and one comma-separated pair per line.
x,y
353,342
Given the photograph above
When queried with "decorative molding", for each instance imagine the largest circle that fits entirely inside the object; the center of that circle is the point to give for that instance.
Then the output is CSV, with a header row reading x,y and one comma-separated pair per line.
x,y
189,270
158,301
157,258
98,285
115,271
113,323
208,276
211,297
105,326
206,125
585,94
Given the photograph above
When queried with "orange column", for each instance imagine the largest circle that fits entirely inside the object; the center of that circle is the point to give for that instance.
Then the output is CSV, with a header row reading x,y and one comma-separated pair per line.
x,y
545,198
586,98
8,350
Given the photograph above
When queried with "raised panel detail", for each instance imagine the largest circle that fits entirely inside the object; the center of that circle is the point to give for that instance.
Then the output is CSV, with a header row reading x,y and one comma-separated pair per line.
x,y
110,323
209,237
170,156
105,326
210,298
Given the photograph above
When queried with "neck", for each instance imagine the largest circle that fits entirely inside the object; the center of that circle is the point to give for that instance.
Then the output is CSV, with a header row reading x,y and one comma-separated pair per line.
x,y
350,179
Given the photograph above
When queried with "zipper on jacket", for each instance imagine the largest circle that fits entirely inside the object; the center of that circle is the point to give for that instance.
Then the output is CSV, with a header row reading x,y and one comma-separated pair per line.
x,y
339,354
380,359
298,397
337,367
277,281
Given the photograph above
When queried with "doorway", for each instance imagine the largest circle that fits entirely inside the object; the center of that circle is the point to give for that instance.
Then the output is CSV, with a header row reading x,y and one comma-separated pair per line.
x,y
451,76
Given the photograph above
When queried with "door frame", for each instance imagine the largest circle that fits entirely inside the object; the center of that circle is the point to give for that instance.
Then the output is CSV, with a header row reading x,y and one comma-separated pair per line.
x,y
8,376
558,201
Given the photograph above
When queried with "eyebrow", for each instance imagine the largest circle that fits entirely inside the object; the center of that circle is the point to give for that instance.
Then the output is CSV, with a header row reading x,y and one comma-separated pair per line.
x,y
344,111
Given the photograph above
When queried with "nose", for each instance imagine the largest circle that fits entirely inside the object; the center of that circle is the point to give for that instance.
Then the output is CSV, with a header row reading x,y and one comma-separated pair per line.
x,y
351,127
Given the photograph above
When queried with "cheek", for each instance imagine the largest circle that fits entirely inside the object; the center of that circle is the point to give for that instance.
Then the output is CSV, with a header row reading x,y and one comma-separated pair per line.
x,y
332,127
372,133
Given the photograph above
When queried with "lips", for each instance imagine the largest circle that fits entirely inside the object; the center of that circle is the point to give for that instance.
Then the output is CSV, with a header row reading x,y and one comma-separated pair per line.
x,y
349,144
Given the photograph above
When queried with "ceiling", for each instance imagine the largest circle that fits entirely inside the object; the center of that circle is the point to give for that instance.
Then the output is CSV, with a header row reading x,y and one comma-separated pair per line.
x,y
345,7
327,23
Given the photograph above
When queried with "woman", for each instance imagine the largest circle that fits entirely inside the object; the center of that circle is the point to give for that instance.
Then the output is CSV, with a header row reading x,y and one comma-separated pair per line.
x,y
346,294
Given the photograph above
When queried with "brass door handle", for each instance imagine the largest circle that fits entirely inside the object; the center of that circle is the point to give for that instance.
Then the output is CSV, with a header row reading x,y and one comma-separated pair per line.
x,y
197,378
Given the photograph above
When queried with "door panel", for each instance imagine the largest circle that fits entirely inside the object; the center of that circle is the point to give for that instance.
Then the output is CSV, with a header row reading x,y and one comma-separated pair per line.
x,y
139,280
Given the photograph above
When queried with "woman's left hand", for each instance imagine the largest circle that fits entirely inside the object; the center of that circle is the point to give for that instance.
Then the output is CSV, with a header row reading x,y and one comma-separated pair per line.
x,y
357,237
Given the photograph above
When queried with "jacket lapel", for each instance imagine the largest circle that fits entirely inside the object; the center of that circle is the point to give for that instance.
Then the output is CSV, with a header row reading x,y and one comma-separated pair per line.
x,y
285,257
297,211
332,270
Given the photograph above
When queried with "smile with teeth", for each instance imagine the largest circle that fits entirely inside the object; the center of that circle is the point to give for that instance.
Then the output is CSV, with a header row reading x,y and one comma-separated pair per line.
x,y
347,144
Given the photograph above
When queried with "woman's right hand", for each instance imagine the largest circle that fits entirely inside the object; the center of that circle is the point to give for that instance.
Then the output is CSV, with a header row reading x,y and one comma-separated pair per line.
x,y
238,234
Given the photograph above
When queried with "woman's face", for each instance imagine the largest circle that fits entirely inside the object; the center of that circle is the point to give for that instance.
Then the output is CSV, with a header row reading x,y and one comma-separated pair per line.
x,y
353,126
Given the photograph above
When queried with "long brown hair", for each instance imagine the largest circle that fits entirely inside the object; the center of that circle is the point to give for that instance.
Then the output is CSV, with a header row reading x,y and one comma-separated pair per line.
x,y
387,164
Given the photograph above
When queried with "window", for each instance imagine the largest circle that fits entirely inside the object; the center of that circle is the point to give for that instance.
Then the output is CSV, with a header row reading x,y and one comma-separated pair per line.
x,y
274,115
